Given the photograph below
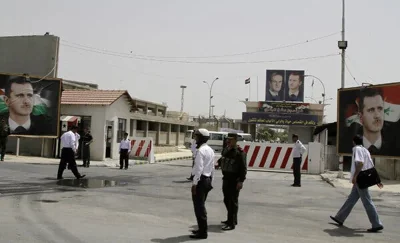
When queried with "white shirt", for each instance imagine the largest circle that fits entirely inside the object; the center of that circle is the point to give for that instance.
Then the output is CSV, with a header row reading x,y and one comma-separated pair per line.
x,y
125,144
295,93
13,125
298,149
203,163
360,154
367,144
77,140
273,93
68,140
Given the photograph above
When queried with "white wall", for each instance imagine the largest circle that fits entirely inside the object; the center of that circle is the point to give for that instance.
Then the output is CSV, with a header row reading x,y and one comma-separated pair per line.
x,y
305,133
97,126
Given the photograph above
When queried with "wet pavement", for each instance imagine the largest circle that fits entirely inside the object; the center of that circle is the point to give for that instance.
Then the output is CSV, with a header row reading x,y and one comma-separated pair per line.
x,y
152,203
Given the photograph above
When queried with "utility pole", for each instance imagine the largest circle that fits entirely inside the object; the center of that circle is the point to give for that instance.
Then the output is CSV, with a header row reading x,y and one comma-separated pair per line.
x,y
183,87
342,46
210,89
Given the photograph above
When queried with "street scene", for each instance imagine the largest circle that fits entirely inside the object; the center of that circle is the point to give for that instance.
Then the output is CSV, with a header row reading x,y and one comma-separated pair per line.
x,y
151,203
212,121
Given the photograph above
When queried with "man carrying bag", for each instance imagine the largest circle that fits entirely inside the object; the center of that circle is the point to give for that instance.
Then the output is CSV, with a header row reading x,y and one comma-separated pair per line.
x,y
363,175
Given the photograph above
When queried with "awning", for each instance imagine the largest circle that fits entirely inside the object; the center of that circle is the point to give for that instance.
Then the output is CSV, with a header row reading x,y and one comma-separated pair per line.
x,y
68,118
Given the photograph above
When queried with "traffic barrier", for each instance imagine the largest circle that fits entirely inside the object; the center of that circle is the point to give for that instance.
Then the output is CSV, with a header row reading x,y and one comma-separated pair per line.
x,y
274,156
142,148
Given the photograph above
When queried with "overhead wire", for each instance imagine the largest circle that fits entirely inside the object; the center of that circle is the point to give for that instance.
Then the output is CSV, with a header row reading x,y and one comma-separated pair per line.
x,y
214,56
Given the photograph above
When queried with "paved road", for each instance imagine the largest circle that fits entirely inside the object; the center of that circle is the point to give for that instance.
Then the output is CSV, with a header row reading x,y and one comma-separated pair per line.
x,y
151,203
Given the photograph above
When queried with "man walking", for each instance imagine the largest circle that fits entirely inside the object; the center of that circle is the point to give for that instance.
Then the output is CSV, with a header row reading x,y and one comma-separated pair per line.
x,y
361,161
298,150
68,152
86,141
203,171
234,170
4,132
124,150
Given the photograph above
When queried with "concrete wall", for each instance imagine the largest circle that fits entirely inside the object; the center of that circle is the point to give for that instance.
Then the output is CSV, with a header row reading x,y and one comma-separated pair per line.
x,y
97,127
388,168
35,55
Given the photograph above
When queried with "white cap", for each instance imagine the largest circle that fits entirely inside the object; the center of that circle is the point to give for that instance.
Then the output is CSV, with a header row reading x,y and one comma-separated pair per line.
x,y
203,132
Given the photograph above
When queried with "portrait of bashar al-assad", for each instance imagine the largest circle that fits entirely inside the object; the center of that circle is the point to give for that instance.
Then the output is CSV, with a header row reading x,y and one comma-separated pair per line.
x,y
295,86
275,85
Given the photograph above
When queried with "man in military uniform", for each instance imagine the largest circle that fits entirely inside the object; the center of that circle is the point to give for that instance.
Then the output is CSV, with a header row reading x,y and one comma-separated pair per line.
x,y
234,170
86,141
4,132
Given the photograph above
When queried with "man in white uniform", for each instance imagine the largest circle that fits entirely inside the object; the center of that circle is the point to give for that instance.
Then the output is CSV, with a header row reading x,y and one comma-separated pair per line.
x,y
298,151
361,161
194,150
203,172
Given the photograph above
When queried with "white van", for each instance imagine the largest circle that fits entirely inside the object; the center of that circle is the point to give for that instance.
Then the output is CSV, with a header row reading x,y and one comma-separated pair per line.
x,y
216,140
245,137
188,139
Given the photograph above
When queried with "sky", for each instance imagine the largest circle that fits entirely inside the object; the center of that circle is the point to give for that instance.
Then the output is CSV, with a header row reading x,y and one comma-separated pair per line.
x,y
152,47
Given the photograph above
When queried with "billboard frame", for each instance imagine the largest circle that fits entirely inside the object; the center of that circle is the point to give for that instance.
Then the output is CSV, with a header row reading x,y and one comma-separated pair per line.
x,y
59,104
337,115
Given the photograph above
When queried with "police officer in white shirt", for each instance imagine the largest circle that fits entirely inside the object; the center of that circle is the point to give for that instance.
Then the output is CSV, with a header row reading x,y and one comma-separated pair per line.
x,y
194,151
298,151
124,150
361,161
203,171
68,152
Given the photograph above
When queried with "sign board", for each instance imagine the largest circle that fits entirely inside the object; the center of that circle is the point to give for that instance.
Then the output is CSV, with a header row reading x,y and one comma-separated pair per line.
x,y
283,107
280,119
285,85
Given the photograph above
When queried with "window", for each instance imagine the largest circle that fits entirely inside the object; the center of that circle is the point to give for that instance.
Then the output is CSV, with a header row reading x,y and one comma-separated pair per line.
x,y
121,129
216,136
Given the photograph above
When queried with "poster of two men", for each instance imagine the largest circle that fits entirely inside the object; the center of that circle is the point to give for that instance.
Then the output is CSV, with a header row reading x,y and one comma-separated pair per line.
x,y
372,112
30,105
285,85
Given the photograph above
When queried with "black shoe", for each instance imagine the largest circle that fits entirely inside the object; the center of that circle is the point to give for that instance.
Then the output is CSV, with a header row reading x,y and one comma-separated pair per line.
x,y
60,178
228,227
336,220
374,230
199,236
81,176
226,222
120,168
295,185
195,231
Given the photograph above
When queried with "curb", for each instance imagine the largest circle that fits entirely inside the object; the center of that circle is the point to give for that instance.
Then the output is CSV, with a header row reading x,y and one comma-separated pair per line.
x,y
328,180
175,158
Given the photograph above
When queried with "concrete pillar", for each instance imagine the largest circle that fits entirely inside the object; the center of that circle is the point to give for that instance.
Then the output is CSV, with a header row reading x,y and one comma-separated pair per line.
x,y
169,125
178,132
146,108
248,128
134,128
165,112
158,134
146,129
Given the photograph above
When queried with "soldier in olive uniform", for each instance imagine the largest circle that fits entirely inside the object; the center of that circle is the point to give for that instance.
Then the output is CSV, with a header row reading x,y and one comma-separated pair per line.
x,y
4,132
234,170
86,141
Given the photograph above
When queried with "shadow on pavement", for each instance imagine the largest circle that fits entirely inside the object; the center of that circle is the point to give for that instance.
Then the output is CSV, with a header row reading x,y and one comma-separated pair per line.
x,y
343,231
184,238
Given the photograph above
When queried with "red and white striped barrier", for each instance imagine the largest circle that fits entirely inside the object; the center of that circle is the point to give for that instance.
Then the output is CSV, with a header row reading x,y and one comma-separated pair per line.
x,y
143,148
272,156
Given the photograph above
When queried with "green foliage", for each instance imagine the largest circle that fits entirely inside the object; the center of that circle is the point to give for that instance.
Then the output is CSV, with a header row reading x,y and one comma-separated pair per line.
x,y
268,134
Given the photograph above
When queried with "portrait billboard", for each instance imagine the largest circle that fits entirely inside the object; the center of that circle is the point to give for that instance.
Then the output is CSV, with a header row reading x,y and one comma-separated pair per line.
x,y
29,105
372,112
285,85
294,85
280,119
283,107
275,85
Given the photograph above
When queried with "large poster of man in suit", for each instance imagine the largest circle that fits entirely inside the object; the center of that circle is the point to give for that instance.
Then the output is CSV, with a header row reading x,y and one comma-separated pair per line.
x,y
275,85
294,90
30,105
374,113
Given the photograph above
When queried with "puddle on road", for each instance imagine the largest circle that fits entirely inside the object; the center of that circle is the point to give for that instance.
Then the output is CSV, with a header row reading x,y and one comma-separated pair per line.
x,y
89,183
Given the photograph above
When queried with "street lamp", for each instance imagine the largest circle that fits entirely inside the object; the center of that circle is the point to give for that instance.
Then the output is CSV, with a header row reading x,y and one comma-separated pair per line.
x,y
323,86
210,88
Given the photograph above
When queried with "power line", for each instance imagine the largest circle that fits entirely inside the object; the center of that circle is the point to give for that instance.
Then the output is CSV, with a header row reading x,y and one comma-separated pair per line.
x,y
348,58
216,56
198,62
348,69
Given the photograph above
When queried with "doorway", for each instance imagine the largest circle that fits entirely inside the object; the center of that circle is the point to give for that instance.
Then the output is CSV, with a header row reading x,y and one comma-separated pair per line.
x,y
109,138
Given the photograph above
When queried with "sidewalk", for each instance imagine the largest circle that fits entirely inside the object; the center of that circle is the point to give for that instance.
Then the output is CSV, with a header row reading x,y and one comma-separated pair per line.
x,y
182,154
331,178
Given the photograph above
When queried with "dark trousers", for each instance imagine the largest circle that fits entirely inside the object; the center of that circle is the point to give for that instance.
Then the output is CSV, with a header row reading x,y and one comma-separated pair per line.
x,y
202,189
86,155
191,176
296,170
67,157
3,146
231,200
123,156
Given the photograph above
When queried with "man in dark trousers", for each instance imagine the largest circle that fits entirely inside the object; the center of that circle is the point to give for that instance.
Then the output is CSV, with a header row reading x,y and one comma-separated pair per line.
x,y
86,141
234,169
68,152
203,172
298,151
4,132
124,150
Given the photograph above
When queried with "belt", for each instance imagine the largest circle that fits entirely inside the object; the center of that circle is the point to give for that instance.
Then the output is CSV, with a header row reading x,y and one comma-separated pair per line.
x,y
206,177
67,148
